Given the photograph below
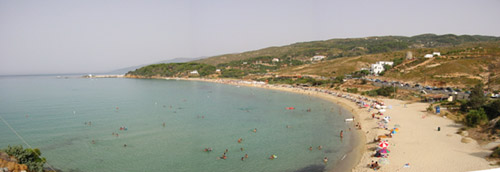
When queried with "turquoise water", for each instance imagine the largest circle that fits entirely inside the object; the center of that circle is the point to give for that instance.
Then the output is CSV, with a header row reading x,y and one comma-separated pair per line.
x,y
51,113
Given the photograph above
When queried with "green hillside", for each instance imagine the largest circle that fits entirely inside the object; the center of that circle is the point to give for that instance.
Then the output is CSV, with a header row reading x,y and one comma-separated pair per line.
x,y
464,60
335,48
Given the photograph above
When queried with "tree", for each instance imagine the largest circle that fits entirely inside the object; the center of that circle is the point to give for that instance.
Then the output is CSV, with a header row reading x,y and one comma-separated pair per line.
x,y
339,79
476,97
365,72
475,117
492,109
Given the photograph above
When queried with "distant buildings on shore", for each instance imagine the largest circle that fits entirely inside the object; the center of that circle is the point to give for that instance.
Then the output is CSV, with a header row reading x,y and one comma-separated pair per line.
x,y
432,55
318,58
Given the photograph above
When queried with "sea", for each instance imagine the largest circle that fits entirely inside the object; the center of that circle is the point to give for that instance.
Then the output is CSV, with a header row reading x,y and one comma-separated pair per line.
x,y
121,124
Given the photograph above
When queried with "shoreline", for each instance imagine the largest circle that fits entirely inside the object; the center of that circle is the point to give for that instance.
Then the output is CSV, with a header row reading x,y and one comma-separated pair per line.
x,y
351,158
419,146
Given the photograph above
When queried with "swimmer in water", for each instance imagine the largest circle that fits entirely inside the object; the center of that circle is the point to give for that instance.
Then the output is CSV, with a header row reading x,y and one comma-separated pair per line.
x,y
246,155
255,130
310,148
241,149
320,147
163,124
325,160
341,134
124,145
239,140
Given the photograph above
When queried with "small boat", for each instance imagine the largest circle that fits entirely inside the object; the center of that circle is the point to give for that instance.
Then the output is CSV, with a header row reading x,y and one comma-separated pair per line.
x,y
349,120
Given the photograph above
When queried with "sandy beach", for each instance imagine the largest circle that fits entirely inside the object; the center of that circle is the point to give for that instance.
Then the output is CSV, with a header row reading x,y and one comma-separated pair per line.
x,y
418,146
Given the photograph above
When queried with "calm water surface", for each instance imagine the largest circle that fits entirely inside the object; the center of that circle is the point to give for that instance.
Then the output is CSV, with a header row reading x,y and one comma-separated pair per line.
x,y
50,113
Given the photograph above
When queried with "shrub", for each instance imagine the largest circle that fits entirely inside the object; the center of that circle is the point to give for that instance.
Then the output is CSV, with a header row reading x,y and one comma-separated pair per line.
x,y
492,109
475,117
29,157
496,153
352,90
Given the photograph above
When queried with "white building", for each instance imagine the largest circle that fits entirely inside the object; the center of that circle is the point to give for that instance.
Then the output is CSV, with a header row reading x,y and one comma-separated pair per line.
x,y
385,63
379,66
429,56
317,58
376,68
194,72
217,70
276,60
436,54
244,62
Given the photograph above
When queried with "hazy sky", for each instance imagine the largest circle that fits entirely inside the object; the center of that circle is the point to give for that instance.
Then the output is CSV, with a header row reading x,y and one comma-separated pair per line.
x,y
39,37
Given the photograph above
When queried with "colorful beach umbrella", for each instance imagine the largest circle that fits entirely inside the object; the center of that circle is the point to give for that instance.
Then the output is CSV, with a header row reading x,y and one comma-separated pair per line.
x,y
383,144
384,150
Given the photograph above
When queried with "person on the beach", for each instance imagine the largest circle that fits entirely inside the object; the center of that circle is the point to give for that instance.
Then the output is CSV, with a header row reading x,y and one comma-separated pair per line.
x,y
439,128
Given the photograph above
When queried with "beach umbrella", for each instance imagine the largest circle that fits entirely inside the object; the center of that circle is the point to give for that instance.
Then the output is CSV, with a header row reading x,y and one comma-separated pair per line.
x,y
384,150
383,161
383,144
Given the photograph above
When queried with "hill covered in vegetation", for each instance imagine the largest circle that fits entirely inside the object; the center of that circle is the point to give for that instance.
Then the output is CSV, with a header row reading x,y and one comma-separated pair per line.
x,y
350,47
465,60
